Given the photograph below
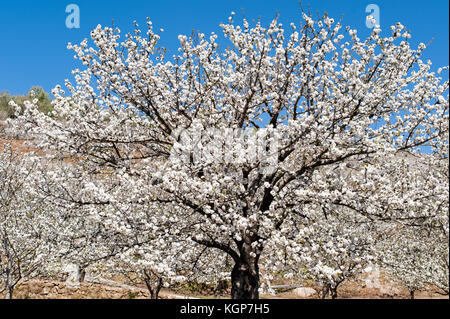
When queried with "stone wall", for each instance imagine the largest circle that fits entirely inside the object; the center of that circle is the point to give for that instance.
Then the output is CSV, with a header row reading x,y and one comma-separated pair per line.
x,y
49,289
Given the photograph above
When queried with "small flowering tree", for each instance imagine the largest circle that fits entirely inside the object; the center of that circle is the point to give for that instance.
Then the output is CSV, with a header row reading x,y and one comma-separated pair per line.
x,y
412,237
25,244
312,98
332,250
108,235
416,258
166,263
155,265
415,251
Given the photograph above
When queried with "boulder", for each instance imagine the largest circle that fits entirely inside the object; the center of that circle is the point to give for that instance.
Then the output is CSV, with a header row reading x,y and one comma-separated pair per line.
x,y
73,279
372,279
304,292
389,290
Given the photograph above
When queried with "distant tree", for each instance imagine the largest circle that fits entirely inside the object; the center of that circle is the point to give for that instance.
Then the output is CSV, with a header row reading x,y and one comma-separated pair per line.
x,y
329,247
24,245
36,92
415,251
44,100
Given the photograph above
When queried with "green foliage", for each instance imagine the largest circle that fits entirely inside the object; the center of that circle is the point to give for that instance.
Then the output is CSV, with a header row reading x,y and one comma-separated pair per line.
x,y
36,92
201,288
132,295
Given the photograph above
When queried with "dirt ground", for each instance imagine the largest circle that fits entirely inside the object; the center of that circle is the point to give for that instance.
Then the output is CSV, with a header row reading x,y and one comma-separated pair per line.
x,y
354,290
52,289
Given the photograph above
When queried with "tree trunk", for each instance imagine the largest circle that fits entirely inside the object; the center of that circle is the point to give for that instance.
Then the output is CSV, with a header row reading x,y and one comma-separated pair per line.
x,y
9,293
334,293
81,274
411,294
154,291
245,281
325,290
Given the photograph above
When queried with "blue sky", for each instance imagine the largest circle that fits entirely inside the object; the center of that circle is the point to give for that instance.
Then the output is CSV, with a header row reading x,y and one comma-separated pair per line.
x,y
34,37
